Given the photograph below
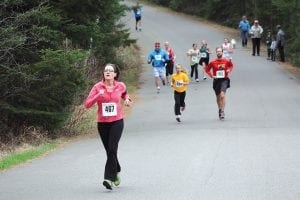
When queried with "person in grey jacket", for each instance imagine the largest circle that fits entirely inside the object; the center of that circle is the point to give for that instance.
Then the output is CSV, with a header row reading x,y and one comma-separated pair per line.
x,y
280,42
255,32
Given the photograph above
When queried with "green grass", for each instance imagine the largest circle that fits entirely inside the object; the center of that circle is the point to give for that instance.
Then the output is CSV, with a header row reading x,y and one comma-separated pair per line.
x,y
21,157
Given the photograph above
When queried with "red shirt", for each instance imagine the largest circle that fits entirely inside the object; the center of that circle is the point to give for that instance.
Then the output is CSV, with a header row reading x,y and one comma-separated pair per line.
x,y
219,67
171,55
109,105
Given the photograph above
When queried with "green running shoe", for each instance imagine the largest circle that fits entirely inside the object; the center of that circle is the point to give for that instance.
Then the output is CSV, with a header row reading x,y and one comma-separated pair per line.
x,y
117,181
108,184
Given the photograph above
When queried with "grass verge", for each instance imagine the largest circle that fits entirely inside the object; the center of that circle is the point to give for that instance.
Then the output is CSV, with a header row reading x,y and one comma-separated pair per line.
x,y
22,157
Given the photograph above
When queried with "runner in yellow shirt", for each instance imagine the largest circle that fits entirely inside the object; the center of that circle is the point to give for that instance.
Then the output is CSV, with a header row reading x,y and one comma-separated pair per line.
x,y
179,82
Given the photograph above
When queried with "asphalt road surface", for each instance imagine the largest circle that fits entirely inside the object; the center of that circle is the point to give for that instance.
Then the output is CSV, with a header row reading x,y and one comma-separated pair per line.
x,y
254,154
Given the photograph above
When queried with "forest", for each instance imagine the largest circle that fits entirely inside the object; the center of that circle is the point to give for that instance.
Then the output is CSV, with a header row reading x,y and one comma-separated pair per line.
x,y
45,50
269,13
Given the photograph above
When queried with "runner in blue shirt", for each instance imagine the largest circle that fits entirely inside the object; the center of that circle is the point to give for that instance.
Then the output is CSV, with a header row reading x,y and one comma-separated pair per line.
x,y
158,57
138,16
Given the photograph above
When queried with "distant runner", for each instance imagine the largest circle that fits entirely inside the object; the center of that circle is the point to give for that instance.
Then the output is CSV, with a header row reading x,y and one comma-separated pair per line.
x,y
158,57
170,63
218,69
227,49
138,16
194,55
179,82
204,57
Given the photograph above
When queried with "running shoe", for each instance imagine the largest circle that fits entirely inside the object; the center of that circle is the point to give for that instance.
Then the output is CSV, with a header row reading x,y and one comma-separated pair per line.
x,y
117,181
182,108
204,78
197,80
178,118
107,184
158,90
163,82
222,115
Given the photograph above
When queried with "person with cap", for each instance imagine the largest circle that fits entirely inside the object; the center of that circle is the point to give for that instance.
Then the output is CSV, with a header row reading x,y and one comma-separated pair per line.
x,y
158,57
280,42
244,30
256,32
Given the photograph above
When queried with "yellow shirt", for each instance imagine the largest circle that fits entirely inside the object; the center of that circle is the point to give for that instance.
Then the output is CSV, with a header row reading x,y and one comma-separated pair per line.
x,y
177,81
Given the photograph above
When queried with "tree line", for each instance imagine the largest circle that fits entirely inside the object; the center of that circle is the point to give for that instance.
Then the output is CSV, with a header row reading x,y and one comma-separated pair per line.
x,y
45,49
268,12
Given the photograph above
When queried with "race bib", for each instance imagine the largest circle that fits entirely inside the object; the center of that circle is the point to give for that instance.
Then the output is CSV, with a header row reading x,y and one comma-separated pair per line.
x,y
203,55
195,58
157,57
220,74
109,109
138,12
179,83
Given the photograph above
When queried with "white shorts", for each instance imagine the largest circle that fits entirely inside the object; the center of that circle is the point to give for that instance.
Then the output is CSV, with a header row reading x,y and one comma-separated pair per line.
x,y
159,72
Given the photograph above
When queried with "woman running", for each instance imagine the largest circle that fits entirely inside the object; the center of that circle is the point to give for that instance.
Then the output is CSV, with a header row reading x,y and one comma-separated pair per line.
x,y
107,94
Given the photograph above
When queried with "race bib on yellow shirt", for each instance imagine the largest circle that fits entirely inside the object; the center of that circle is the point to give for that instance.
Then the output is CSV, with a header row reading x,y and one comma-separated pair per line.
x,y
179,83
109,109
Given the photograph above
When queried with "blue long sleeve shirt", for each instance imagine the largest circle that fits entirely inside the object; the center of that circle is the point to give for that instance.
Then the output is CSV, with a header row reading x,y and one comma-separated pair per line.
x,y
244,25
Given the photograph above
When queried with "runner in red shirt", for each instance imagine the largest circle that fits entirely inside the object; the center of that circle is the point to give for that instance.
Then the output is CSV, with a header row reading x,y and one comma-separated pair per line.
x,y
218,69
170,63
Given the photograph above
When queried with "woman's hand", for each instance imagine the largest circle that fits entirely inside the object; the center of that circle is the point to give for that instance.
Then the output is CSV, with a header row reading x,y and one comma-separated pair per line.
x,y
127,102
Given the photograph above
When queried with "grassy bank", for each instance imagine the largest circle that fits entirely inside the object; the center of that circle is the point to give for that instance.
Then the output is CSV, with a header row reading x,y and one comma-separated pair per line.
x,y
24,156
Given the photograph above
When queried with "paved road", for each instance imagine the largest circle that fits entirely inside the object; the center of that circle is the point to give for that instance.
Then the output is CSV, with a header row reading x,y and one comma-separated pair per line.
x,y
252,155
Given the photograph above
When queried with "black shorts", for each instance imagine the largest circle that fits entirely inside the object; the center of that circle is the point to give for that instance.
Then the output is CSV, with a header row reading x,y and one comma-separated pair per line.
x,y
206,60
221,84
138,18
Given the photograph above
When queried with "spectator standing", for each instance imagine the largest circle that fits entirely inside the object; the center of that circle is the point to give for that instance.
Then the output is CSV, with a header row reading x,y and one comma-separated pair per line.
x,y
268,44
273,49
280,42
244,29
256,31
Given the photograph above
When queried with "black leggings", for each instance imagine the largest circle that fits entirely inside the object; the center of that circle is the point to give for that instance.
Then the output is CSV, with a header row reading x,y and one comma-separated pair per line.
x,y
179,101
194,68
169,68
255,46
110,134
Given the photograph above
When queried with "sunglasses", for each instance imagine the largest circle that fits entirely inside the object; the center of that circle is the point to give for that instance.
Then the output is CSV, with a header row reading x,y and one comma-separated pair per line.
x,y
109,70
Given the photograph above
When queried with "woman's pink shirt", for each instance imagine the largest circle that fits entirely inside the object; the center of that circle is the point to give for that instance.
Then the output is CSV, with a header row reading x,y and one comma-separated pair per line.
x,y
100,95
